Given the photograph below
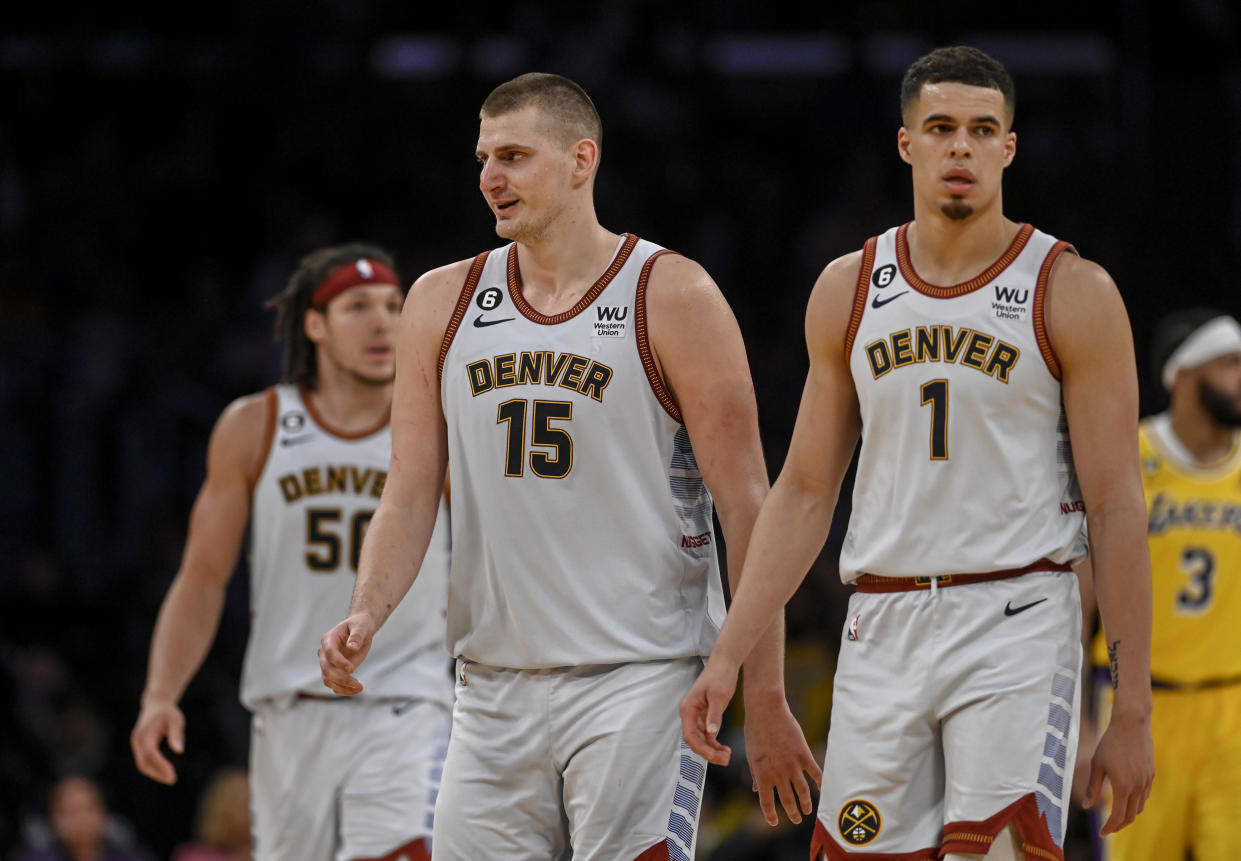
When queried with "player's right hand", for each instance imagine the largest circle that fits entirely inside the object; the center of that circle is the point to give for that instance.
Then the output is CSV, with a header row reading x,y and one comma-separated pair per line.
x,y
157,721
342,649
702,710
1125,757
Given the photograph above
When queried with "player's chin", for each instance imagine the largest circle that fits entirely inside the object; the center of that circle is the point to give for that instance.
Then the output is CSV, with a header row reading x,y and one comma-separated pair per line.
x,y
377,375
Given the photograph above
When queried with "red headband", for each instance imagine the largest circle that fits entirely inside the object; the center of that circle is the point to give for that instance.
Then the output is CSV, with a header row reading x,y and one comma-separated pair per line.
x,y
361,271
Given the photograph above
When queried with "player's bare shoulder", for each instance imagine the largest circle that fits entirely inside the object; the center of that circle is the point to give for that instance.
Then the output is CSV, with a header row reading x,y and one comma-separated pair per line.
x,y
831,303
432,298
242,435
678,284
1082,304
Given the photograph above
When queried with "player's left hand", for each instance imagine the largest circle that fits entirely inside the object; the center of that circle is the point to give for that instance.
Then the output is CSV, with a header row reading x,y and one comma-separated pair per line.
x,y
1126,758
702,710
342,649
779,758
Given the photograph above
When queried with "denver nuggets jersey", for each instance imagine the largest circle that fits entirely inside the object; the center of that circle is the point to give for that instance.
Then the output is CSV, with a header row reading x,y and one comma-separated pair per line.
x,y
582,529
1193,527
312,503
965,464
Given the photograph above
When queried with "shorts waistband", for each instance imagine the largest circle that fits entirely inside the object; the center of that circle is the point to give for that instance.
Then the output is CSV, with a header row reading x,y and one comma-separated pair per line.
x,y
1204,685
879,583
303,695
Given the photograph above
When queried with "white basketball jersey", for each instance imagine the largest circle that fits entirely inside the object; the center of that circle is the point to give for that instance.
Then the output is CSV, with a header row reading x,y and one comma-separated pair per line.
x,y
312,503
582,529
965,463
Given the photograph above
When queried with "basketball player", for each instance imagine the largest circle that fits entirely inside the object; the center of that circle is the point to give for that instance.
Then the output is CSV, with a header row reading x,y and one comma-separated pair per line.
x,y
1191,469
966,350
305,462
592,395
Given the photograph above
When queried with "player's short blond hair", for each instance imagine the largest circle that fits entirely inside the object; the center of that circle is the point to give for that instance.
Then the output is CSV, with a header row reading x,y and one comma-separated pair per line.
x,y
569,113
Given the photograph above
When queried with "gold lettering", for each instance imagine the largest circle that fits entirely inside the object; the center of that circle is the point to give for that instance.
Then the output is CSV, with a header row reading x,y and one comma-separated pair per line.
x,y
979,344
314,482
504,370
291,489
336,479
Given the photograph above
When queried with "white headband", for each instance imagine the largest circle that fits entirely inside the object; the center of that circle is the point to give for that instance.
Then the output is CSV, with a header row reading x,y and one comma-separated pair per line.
x,y
1212,339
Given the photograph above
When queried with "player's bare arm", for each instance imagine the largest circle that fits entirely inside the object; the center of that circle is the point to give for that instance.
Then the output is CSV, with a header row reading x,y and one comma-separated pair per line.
x,y
794,520
190,613
1088,732
401,529
1090,335
706,369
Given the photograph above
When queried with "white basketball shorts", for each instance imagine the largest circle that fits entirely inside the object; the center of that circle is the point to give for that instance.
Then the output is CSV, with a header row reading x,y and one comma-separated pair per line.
x,y
585,763
954,714
337,780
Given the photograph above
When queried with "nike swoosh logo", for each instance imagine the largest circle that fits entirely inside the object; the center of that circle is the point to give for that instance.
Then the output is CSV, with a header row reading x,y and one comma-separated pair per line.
x,y
294,440
878,303
1010,610
479,322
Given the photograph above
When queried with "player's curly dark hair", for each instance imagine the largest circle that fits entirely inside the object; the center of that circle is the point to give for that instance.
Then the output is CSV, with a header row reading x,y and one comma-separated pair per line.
x,y
958,64
300,364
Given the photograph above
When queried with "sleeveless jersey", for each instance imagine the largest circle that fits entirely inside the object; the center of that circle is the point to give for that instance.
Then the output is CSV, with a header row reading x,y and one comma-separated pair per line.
x,y
582,529
311,506
965,463
1194,531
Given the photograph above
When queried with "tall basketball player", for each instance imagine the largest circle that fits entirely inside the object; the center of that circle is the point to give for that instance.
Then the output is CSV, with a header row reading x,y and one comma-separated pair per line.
x,y
966,351
591,394
1191,471
305,462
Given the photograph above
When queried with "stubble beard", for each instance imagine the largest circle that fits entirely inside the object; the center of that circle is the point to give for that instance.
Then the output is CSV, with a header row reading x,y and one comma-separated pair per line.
x,y
1221,408
957,209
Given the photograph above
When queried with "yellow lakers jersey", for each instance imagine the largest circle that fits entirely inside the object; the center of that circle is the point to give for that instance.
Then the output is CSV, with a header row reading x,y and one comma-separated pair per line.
x,y
1194,528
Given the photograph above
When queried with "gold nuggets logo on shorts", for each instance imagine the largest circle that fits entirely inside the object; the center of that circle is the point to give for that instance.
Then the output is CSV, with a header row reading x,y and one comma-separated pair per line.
x,y
859,822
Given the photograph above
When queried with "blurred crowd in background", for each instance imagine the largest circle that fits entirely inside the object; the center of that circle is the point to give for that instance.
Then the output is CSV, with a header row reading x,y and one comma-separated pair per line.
x,y
160,177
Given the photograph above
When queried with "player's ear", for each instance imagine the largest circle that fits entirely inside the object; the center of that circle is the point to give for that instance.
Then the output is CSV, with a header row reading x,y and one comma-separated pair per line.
x,y
903,139
315,325
585,160
1010,148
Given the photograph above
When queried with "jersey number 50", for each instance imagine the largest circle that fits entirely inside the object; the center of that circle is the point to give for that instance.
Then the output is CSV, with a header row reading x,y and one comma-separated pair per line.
x,y
324,537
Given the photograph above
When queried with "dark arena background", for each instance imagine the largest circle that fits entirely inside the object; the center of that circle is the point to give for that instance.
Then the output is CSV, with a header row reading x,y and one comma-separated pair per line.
x,y
161,171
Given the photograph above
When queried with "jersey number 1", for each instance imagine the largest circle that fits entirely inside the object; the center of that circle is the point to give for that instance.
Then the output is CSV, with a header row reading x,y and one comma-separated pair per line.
x,y
935,393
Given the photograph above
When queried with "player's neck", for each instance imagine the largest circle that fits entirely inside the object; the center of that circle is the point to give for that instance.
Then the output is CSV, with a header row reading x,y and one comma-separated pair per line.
x,y
1208,442
559,268
947,251
350,405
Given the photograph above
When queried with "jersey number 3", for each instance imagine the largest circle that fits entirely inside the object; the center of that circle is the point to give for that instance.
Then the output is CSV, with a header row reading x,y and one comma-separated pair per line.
x,y
1195,599
554,463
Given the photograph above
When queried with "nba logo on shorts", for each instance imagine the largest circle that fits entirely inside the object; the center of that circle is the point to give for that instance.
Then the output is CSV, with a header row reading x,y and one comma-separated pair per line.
x,y
852,632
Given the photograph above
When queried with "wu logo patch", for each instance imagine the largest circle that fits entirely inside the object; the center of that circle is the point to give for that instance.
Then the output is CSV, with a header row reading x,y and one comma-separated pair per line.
x,y
859,822
364,268
611,321
1010,302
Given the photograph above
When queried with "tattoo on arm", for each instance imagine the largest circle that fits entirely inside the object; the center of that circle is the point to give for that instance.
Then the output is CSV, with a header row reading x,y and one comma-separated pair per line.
x,y
1113,662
